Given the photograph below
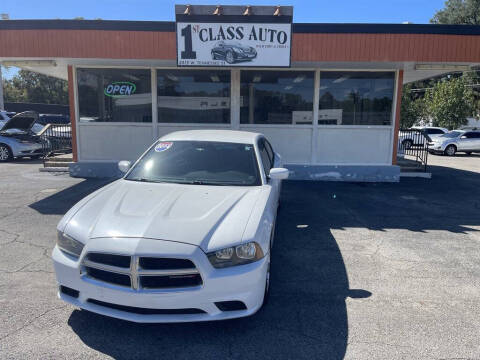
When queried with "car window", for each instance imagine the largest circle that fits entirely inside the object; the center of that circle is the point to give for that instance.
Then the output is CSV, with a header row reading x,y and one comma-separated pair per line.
x,y
266,161
469,135
270,152
434,131
198,162
1,117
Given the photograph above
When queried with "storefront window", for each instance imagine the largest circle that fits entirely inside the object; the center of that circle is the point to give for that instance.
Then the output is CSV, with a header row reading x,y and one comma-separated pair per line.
x,y
193,96
114,95
356,98
276,97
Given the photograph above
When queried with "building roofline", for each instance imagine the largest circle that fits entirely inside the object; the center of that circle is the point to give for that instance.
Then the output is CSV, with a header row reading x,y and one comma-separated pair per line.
x,y
169,26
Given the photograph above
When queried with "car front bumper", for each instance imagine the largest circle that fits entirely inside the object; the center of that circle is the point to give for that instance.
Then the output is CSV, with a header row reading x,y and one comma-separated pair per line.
x,y
245,283
20,149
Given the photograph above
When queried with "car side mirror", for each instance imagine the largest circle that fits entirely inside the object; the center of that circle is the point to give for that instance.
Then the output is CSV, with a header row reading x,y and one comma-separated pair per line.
x,y
124,165
279,173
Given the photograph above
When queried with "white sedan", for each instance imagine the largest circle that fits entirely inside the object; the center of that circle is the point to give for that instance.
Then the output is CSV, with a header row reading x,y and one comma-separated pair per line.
x,y
185,235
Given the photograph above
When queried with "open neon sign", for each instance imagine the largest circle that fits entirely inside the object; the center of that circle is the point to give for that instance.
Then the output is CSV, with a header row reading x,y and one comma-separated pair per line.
x,y
120,88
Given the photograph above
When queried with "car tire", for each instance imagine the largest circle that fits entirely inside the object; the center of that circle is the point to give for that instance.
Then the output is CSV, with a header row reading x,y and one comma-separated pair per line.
x,y
468,152
450,150
5,153
229,57
407,144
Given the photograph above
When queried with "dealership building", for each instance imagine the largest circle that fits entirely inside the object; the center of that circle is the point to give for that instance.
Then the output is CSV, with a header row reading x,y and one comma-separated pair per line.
x,y
327,96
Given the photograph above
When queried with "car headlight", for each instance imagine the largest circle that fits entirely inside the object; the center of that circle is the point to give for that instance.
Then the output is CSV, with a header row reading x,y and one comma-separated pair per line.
x,y
69,245
236,255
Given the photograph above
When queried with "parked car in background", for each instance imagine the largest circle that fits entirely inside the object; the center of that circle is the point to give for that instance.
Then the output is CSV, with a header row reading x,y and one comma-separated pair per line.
x,y
431,132
456,141
185,235
17,139
4,117
45,119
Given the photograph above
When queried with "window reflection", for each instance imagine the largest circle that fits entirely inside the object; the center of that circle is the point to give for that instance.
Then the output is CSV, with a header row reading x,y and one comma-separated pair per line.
x,y
193,96
356,98
276,97
114,95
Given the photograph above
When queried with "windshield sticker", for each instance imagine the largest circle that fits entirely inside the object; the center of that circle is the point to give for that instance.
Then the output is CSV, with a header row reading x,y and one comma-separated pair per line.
x,y
165,145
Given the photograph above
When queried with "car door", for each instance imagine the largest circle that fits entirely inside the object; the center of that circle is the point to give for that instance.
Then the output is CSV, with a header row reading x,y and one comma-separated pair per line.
x,y
476,141
466,141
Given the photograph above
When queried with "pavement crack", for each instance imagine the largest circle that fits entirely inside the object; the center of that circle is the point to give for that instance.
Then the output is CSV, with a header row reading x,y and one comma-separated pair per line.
x,y
32,321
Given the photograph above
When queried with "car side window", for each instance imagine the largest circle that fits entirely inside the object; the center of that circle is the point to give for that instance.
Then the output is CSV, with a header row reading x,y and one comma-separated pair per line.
x,y
469,135
267,165
434,131
270,152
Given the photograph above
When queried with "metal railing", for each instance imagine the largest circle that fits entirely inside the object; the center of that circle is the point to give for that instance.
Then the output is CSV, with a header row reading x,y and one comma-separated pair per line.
x,y
414,143
56,139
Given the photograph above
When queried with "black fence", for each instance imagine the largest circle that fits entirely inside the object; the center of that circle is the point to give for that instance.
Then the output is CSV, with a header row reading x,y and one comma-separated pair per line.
x,y
57,139
414,143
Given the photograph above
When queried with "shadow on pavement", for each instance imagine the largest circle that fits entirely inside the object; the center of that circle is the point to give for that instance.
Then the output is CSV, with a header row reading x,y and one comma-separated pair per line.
x,y
60,202
306,316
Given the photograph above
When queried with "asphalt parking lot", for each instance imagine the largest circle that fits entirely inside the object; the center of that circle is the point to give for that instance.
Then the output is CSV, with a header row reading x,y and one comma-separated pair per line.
x,y
377,271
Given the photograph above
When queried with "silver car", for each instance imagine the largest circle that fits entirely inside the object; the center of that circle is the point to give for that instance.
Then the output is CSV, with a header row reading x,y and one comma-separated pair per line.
x,y
456,141
17,139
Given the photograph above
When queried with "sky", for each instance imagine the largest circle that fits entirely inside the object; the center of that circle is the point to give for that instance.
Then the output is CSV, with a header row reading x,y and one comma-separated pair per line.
x,y
337,11
322,11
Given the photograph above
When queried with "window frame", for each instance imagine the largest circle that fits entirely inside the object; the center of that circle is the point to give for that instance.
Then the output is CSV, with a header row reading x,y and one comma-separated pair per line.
x,y
78,122
394,98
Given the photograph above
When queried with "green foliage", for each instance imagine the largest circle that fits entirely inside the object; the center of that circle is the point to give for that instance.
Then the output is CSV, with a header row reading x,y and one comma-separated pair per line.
x,y
449,103
28,86
458,12
412,109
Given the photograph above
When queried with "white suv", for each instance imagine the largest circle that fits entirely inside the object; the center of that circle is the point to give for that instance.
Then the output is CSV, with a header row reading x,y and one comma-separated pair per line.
x,y
456,141
409,139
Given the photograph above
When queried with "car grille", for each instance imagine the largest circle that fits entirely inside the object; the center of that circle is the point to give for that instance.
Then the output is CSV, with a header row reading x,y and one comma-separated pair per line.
x,y
141,272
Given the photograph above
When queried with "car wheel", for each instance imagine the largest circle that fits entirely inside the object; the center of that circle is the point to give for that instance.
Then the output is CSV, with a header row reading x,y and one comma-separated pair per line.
x,y
229,57
5,153
407,144
450,150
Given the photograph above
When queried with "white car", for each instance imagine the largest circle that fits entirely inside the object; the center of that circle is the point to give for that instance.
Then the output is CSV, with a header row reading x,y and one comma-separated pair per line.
x,y
456,141
185,235
409,139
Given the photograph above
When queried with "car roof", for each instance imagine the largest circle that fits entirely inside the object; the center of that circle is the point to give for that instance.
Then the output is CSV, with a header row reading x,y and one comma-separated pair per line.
x,y
231,136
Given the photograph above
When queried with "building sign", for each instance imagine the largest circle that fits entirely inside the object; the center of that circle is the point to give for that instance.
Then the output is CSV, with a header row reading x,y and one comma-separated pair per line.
x,y
120,89
233,44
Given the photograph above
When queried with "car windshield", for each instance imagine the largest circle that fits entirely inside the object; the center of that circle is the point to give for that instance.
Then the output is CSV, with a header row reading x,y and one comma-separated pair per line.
x,y
452,134
198,162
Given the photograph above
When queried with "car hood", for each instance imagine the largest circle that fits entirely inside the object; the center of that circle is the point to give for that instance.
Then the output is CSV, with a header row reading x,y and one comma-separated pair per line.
x,y
211,217
22,122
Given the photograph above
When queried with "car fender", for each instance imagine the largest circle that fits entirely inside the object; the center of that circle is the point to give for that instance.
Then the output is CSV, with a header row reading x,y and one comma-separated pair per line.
x,y
260,224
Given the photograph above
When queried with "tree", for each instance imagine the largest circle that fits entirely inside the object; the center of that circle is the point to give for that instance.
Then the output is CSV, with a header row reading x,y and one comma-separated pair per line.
x,y
32,87
458,12
412,109
449,103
